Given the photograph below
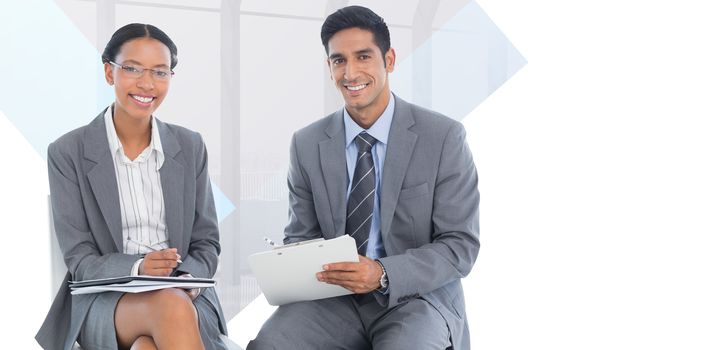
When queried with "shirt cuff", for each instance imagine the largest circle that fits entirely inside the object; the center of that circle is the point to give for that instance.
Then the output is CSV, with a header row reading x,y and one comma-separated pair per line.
x,y
134,269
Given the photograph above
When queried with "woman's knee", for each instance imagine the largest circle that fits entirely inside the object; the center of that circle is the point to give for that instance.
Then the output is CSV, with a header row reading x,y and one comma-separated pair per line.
x,y
154,313
172,303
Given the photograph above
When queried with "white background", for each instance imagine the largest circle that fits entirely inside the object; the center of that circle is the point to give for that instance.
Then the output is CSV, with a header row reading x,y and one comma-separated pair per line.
x,y
595,174
596,179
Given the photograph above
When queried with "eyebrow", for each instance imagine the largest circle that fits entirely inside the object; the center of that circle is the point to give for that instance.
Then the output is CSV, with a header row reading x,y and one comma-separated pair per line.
x,y
140,64
359,52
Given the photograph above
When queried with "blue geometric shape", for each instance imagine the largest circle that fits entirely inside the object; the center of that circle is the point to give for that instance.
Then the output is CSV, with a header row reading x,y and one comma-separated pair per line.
x,y
223,205
467,58
52,79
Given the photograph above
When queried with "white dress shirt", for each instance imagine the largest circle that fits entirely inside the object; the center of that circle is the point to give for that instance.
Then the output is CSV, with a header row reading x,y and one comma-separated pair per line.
x,y
380,131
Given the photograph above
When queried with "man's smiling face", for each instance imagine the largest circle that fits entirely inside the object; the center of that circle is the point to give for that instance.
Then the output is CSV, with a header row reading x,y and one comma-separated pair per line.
x,y
358,69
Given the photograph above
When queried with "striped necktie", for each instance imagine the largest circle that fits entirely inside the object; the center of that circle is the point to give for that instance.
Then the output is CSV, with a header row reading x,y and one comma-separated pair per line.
x,y
359,208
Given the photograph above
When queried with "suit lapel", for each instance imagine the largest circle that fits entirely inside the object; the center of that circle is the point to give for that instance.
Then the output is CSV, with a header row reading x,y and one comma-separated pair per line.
x,y
102,177
172,182
401,143
332,155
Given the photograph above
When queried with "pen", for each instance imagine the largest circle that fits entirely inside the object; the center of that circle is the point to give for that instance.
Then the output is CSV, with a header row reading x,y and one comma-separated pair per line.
x,y
149,247
270,242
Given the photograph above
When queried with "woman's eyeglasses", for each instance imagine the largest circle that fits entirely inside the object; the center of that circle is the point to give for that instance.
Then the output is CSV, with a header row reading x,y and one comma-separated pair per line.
x,y
136,71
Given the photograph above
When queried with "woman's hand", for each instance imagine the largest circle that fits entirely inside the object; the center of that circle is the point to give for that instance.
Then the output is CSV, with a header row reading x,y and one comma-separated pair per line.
x,y
160,263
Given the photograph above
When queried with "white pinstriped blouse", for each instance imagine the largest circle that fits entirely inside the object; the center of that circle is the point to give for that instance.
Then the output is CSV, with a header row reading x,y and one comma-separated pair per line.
x,y
143,217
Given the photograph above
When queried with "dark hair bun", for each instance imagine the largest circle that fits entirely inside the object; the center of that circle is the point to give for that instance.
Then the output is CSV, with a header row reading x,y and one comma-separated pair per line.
x,y
133,31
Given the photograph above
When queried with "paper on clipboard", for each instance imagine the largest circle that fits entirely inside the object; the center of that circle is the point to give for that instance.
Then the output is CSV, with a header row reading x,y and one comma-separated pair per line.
x,y
287,274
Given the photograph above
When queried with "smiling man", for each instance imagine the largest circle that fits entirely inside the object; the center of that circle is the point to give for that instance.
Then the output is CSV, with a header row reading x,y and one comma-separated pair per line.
x,y
401,181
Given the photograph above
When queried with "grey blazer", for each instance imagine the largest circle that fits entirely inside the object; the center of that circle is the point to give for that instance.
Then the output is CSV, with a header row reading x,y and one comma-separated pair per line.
x,y
86,213
429,205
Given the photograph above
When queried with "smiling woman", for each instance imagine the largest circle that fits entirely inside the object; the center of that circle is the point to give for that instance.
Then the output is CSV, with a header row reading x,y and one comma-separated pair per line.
x,y
131,196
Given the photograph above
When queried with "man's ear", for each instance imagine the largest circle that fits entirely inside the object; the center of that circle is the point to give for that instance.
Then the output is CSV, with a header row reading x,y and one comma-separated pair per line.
x,y
390,60
328,66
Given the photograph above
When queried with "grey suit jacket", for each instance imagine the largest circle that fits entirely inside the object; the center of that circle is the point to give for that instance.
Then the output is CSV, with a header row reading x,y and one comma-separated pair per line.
x,y
429,205
87,221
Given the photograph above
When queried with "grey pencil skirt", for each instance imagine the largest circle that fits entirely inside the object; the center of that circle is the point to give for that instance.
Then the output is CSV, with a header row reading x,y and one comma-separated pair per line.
x,y
98,331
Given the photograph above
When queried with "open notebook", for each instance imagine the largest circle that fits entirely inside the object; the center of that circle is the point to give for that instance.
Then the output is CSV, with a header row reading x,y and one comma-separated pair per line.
x,y
137,284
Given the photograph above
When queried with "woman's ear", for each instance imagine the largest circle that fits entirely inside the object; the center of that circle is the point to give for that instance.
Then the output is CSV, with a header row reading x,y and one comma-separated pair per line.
x,y
108,73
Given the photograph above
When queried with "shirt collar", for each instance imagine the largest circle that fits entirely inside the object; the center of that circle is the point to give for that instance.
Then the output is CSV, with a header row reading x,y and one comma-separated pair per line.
x,y
115,144
379,130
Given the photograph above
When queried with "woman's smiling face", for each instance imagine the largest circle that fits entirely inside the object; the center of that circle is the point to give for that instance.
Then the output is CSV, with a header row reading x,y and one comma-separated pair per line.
x,y
139,96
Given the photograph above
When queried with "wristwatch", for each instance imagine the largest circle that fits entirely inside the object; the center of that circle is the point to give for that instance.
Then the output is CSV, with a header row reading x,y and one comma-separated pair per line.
x,y
384,278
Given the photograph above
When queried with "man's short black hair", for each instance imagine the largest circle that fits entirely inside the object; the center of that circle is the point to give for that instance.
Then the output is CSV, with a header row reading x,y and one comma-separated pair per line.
x,y
357,17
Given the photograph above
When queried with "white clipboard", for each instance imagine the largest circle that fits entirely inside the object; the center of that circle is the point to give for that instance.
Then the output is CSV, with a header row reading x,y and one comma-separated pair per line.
x,y
287,273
